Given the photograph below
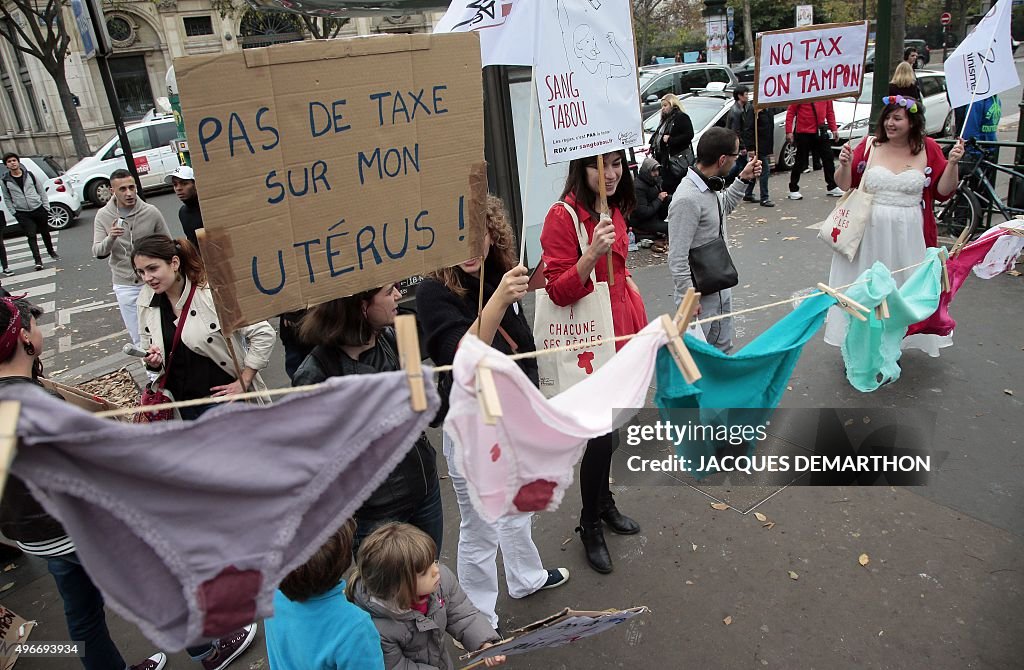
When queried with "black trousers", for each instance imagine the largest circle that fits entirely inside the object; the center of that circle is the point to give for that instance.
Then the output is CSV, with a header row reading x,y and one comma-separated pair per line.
x,y
595,469
806,145
33,223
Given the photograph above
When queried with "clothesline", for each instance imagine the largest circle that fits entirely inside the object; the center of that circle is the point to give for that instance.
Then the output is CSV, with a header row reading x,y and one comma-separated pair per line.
x,y
253,395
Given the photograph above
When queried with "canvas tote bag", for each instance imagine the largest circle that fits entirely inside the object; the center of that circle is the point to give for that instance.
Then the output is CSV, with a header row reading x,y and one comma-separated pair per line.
x,y
844,228
588,320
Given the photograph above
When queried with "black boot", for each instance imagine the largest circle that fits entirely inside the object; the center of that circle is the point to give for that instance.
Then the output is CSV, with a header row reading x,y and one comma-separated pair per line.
x,y
616,520
592,535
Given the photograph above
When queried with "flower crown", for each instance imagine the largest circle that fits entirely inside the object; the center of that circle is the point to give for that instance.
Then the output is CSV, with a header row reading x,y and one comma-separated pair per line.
x,y
902,101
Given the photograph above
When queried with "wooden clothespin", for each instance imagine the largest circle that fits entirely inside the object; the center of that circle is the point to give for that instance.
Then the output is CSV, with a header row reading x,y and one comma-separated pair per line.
x,y
960,243
687,308
944,256
882,311
680,353
9,412
409,357
487,393
852,307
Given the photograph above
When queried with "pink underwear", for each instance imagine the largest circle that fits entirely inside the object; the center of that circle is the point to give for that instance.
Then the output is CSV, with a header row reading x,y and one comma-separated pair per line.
x,y
525,462
188,528
941,322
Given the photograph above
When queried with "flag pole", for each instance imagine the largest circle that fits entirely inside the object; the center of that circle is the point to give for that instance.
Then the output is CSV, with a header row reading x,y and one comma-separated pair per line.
x,y
974,89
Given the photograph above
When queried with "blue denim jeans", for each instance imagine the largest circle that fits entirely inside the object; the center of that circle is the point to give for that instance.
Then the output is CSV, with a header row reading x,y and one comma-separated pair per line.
x,y
428,516
83,611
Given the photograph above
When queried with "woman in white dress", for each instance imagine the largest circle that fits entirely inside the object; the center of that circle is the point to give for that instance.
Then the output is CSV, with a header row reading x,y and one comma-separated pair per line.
x,y
905,171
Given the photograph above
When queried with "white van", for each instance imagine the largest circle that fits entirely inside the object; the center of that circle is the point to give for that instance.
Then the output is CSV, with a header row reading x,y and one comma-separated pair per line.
x,y
154,158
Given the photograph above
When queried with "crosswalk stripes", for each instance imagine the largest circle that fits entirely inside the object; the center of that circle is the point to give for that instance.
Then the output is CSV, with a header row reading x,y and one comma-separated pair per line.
x,y
39,285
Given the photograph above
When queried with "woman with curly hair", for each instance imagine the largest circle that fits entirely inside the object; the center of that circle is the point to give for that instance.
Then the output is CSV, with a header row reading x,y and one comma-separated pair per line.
x,y
447,303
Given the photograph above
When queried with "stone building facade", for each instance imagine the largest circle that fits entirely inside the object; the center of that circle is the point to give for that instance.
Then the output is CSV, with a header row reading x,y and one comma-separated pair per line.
x,y
147,36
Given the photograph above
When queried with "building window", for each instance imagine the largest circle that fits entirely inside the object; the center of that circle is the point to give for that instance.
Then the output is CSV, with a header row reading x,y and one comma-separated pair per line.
x,y
121,30
197,26
131,81
26,82
8,86
261,30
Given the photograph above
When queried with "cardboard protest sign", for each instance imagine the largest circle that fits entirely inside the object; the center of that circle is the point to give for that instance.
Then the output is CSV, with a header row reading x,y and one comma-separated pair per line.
x,y
586,80
331,167
810,63
14,630
79,398
557,630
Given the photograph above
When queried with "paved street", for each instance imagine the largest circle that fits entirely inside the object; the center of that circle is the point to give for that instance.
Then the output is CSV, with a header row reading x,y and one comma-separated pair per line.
x,y
943,586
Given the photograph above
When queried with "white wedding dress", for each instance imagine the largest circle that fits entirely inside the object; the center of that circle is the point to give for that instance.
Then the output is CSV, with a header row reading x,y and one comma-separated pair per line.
x,y
894,236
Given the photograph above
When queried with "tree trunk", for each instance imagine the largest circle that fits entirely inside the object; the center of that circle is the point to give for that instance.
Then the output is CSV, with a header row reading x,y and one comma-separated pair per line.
x,y
641,46
961,22
898,35
78,137
748,31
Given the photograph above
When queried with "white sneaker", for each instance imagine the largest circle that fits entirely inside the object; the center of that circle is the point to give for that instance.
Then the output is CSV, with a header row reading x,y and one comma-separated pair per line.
x,y
155,662
835,192
795,195
807,169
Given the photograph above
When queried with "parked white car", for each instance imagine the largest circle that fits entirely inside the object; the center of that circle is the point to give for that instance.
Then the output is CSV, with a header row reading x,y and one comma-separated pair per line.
x,y
155,158
706,110
65,204
853,118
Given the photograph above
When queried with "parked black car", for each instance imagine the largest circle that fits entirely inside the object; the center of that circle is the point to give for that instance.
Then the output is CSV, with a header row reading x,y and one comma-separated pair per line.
x,y
744,71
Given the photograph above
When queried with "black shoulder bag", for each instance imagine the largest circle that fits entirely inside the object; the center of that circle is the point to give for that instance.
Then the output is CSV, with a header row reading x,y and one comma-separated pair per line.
x,y
822,127
711,266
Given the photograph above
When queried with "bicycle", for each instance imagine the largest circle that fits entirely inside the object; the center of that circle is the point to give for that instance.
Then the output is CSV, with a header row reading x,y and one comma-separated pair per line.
x,y
975,195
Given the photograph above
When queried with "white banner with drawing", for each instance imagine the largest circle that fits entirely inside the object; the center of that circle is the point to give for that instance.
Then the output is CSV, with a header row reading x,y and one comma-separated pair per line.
x,y
586,81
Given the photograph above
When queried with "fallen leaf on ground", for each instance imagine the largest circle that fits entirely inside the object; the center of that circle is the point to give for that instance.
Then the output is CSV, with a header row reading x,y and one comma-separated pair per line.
x,y
720,506
727,621
1008,391
6,587
793,575
769,525
689,583
1013,273
694,546
863,560
760,517
9,567
789,239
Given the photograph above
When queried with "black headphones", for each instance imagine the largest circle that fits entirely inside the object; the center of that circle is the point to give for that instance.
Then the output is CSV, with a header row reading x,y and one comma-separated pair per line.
x,y
713,183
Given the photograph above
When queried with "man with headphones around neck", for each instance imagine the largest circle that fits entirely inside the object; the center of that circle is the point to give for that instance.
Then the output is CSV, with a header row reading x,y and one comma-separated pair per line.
x,y
697,217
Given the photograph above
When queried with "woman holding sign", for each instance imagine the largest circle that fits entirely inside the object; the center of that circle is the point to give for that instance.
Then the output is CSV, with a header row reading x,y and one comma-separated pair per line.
x,y
568,276
905,171
447,303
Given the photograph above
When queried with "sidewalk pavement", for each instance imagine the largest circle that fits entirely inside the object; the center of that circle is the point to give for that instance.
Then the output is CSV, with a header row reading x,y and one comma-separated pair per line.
x,y
943,584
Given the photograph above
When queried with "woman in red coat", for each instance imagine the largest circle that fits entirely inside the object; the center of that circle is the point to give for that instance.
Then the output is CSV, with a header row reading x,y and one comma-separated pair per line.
x,y
567,273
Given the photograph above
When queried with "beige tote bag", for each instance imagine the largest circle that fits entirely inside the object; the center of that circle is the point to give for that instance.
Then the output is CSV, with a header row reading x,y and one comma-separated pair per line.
x,y
587,322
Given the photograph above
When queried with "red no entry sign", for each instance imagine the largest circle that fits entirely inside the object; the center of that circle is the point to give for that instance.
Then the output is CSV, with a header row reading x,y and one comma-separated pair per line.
x,y
946,18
